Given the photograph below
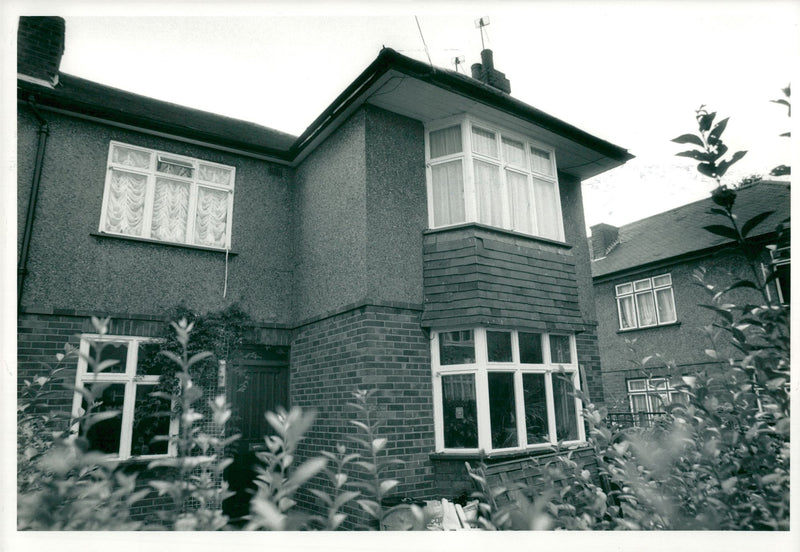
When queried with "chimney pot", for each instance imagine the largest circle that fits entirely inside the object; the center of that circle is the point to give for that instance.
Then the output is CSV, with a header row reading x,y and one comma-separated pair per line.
x,y
487,58
476,71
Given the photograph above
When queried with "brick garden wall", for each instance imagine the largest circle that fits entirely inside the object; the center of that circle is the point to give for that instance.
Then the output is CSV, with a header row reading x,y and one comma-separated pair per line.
x,y
367,347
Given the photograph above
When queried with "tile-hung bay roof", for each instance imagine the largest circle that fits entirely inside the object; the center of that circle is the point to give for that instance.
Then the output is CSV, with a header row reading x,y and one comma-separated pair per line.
x,y
680,232
393,82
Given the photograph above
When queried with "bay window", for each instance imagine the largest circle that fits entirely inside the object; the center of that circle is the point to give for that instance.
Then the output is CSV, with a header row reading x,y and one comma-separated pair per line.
x,y
504,390
156,195
140,427
480,173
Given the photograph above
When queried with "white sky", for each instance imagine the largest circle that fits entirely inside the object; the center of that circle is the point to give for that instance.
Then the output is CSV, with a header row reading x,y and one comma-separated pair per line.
x,y
632,74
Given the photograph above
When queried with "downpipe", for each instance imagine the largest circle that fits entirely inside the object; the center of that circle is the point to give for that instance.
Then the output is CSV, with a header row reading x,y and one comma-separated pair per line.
x,y
43,133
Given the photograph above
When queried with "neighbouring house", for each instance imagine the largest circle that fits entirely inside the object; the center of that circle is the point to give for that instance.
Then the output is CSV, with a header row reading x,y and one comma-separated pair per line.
x,y
423,237
649,301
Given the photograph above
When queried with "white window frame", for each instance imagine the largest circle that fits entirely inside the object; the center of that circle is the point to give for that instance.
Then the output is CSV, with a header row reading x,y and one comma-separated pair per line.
x,y
130,379
481,369
468,157
779,256
644,286
650,389
151,172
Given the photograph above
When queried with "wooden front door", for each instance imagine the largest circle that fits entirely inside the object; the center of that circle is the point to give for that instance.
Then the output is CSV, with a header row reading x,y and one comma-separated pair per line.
x,y
257,382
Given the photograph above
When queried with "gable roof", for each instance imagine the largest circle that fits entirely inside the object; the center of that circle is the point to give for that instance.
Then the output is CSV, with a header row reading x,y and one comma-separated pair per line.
x,y
93,100
679,231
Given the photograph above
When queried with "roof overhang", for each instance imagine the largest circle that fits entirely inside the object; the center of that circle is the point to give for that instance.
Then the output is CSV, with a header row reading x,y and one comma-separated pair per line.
x,y
414,89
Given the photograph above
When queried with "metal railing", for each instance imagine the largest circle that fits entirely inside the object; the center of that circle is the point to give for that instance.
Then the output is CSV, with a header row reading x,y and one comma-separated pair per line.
x,y
634,419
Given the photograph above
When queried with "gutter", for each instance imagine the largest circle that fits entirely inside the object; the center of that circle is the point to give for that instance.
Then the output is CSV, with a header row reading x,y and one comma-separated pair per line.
x,y
43,133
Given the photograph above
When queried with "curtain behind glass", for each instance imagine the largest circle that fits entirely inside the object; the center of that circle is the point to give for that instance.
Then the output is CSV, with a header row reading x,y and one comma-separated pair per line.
x,y
546,205
484,142
170,210
212,217
125,207
627,314
487,184
519,199
666,305
646,308
445,142
447,181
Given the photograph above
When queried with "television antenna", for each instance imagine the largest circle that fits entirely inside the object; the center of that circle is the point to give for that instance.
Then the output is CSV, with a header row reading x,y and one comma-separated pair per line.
x,y
480,24
458,60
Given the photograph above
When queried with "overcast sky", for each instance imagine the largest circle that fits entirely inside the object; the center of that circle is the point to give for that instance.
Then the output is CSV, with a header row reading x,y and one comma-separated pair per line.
x,y
632,74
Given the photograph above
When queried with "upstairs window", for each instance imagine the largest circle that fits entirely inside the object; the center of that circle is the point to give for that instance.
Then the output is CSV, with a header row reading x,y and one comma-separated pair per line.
x,y
498,390
480,173
646,303
781,267
160,196
140,428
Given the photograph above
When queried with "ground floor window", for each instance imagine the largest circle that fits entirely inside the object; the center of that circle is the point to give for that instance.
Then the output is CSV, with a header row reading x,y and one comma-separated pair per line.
x,y
651,394
498,390
121,377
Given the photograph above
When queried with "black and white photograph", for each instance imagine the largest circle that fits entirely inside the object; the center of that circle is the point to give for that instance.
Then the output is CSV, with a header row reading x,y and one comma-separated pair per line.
x,y
502,273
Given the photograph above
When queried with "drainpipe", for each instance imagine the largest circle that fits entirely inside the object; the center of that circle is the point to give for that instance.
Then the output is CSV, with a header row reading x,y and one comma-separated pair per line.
x,y
43,132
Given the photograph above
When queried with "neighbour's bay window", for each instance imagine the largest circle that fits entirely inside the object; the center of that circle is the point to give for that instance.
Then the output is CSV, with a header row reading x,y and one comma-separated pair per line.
x,y
478,172
142,423
160,196
504,390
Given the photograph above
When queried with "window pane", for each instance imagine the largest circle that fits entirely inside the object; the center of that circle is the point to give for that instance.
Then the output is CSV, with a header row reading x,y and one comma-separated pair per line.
x,y
530,348
502,409
540,161
560,350
646,308
784,277
564,404
175,167
217,175
514,153
533,388
150,419
130,157
445,141
642,284
639,403
487,185
125,204
484,142
460,411
666,305
104,436
499,346
519,202
664,280
149,362
547,212
636,385
170,210
110,351
627,314
456,348
447,183
623,289
211,221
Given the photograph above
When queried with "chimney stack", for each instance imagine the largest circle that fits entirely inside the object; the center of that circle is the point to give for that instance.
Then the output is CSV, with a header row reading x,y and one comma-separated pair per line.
x,y
486,73
604,238
40,45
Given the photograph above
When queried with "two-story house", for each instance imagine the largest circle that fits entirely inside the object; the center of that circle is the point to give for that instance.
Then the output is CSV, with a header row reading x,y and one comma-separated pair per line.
x,y
423,237
649,300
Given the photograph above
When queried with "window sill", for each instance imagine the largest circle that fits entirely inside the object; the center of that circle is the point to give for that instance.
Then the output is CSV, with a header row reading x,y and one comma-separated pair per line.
x,y
508,455
497,230
670,325
103,235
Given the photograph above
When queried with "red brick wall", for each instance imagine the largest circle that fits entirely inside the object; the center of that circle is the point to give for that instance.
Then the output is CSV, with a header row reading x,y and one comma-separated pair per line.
x,y
369,347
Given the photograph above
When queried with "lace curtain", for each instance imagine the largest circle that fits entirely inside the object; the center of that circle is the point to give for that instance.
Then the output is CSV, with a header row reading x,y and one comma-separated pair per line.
x,y
212,217
170,210
125,207
448,193
487,184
